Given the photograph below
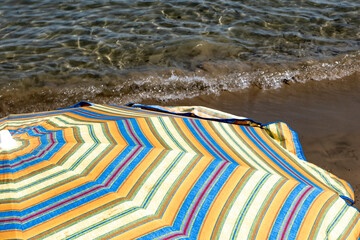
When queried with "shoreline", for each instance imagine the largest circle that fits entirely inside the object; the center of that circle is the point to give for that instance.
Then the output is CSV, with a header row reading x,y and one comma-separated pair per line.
x,y
47,91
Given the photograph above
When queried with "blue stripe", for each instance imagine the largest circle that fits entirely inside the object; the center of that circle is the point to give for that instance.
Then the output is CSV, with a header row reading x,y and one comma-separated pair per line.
x,y
276,158
37,115
348,199
138,133
187,204
114,186
281,218
44,138
209,138
189,114
300,216
248,204
298,148
80,201
143,205
210,198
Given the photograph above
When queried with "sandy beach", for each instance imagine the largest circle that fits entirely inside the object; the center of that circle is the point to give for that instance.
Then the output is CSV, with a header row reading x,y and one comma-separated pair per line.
x,y
325,115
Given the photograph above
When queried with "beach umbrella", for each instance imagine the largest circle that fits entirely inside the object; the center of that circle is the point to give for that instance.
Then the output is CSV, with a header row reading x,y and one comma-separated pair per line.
x,y
149,172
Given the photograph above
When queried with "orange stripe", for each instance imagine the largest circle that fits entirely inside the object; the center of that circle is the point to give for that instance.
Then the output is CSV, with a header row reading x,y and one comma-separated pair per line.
x,y
171,211
289,159
121,195
319,218
355,231
223,143
191,138
88,175
309,222
262,156
218,205
274,209
259,219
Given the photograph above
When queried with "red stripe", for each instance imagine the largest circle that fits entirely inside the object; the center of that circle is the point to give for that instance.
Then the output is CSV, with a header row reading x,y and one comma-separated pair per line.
x,y
293,211
131,132
197,203
278,160
52,142
73,198
90,190
205,139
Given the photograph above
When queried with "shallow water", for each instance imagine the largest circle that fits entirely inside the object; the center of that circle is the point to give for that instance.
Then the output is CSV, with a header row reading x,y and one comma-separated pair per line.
x,y
55,53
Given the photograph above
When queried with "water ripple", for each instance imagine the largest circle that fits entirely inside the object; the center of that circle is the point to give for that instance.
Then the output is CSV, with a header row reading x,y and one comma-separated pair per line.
x,y
108,38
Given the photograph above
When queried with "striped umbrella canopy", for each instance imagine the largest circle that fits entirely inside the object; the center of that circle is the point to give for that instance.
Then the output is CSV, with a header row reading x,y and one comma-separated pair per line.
x,y
149,172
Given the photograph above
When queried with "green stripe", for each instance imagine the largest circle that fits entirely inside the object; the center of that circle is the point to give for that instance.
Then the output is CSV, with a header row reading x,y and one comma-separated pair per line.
x,y
251,197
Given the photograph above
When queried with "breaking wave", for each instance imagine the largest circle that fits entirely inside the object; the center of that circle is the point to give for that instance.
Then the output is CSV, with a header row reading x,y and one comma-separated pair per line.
x,y
163,84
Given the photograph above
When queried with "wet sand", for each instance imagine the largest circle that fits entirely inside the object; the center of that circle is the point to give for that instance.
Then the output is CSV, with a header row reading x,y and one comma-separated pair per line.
x,y
325,115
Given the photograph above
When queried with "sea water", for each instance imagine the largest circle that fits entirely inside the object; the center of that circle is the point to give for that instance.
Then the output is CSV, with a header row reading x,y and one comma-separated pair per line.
x,y
55,53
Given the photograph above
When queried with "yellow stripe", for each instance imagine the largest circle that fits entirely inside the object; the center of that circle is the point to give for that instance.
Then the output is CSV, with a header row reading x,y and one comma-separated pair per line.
x,y
310,220
274,209
217,207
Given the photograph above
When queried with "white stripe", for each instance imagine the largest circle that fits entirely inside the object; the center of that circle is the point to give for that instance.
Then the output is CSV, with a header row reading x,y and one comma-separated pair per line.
x,y
136,201
229,225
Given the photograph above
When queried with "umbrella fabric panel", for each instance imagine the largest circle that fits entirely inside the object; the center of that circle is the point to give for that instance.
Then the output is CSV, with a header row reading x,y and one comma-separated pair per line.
x,y
286,137
279,131
130,173
198,111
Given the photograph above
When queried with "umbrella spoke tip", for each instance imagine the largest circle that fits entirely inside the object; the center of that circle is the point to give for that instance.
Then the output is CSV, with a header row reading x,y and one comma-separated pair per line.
x,y
6,140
